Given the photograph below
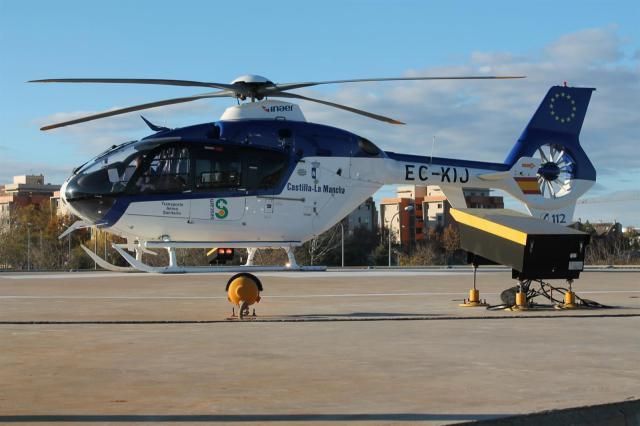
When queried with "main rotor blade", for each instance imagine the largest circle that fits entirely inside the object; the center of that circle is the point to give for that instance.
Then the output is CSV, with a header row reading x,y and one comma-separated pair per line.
x,y
221,94
290,86
344,107
137,81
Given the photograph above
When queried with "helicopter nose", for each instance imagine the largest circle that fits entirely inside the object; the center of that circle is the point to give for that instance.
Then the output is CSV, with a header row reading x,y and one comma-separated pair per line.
x,y
65,199
84,203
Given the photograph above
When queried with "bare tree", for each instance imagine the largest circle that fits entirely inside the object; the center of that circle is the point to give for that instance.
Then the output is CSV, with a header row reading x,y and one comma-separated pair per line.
x,y
271,257
451,240
316,250
425,253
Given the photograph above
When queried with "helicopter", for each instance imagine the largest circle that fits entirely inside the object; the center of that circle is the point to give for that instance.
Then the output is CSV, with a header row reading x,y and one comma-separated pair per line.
x,y
262,176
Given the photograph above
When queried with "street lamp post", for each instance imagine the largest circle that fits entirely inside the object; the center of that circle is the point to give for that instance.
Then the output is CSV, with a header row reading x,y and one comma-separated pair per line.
x,y
407,209
342,245
389,232
94,230
29,246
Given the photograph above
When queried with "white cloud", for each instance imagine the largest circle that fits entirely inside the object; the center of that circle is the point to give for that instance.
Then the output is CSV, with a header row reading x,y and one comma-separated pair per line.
x,y
482,119
616,196
593,46
619,206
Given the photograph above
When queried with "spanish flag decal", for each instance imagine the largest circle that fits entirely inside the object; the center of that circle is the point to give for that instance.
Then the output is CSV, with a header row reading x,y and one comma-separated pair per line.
x,y
528,185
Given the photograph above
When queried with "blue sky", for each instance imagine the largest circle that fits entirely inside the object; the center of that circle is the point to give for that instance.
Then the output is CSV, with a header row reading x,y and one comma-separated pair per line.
x,y
591,43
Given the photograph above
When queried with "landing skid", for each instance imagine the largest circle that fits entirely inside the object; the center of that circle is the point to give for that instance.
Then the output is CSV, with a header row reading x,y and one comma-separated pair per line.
x,y
104,264
174,268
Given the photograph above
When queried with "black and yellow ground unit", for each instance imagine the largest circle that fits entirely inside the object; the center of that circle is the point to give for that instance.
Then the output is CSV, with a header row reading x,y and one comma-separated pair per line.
x,y
534,249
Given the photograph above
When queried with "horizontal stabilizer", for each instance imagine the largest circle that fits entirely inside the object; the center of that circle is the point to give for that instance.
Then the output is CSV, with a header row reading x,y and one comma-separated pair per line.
x,y
494,176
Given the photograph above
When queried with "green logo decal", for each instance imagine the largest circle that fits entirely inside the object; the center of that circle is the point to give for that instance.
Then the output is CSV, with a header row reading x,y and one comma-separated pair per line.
x,y
221,209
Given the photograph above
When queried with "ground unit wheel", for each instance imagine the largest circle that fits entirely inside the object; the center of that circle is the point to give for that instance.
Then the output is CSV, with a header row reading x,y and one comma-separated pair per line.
x,y
243,290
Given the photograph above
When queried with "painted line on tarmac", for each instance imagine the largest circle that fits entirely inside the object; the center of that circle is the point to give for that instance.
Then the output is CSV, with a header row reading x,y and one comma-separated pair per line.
x,y
282,274
331,272
65,275
314,319
300,296
295,296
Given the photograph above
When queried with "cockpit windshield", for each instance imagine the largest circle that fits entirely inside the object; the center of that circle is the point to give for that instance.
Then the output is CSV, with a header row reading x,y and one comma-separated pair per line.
x,y
111,171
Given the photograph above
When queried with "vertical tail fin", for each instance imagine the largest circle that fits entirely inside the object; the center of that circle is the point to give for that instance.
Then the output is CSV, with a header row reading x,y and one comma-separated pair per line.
x,y
551,142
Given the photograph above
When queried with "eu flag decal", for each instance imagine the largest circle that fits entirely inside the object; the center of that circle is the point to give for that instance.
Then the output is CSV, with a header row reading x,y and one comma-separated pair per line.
x,y
562,107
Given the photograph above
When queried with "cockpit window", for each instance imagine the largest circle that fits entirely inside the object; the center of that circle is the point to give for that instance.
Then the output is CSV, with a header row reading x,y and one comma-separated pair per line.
x,y
120,173
109,173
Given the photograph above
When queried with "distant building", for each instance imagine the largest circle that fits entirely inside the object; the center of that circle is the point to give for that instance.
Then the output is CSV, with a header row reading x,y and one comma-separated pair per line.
x,y
436,206
607,229
396,219
365,216
58,207
24,191
633,234
430,210
402,216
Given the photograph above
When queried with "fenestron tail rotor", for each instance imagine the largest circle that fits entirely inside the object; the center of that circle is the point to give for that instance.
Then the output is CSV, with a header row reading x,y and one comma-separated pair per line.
x,y
253,87
557,171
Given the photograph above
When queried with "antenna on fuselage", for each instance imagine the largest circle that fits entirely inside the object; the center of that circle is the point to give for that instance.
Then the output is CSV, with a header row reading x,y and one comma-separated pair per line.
x,y
433,144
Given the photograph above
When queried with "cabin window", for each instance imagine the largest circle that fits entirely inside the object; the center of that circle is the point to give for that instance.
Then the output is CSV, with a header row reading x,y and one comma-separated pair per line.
x,y
222,167
165,170
217,168
368,147
264,168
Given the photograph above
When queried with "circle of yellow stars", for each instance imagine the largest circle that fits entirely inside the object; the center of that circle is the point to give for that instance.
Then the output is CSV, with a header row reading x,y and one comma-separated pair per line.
x,y
567,98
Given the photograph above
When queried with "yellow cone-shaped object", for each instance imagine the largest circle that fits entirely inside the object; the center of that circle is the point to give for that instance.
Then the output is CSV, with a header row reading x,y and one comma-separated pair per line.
x,y
244,287
569,300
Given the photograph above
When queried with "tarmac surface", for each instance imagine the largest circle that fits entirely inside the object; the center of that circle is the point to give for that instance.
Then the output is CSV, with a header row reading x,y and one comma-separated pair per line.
x,y
363,347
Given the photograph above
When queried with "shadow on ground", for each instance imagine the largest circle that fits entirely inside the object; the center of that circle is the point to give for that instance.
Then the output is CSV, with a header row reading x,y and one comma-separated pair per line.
x,y
232,418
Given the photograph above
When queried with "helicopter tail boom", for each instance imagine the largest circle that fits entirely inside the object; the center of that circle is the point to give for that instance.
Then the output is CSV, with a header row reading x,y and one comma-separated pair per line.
x,y
547,169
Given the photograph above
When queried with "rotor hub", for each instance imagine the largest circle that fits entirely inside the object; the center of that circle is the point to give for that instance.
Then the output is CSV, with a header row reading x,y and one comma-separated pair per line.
x,y
549,171
251,86
557,172
251,78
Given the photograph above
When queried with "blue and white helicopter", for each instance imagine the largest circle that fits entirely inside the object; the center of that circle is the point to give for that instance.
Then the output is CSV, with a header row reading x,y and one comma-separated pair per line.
x,y
264,177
